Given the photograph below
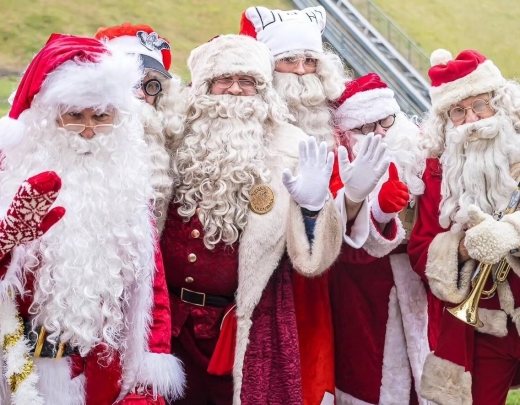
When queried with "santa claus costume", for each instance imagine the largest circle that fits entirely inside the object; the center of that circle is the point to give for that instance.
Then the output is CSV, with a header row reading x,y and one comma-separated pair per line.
x,y
234,233
163,105
378,302
298,33
84,311
472,173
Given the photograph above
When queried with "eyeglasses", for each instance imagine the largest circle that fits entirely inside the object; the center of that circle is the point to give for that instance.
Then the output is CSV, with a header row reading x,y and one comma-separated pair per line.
x,y
385,123
292,61
226,83
151,87
101,129
458,114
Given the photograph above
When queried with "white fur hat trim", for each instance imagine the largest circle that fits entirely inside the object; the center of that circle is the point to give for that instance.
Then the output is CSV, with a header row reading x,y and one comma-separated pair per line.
x,y
230,54
484,79
366,107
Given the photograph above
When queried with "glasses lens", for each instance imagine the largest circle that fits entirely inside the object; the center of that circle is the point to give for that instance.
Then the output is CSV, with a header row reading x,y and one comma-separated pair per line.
x,y
290,60
367,128
247,84
224,83
152,87
76,128
479,106
457,114
311,62
103,129
387,122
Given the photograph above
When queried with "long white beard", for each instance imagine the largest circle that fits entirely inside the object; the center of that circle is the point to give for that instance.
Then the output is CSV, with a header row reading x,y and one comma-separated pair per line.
x,y
221,158
477,171
161,174
305,96
86,265
402,141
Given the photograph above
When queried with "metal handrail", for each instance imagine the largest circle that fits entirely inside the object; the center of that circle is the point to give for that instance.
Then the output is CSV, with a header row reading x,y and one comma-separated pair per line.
x,y
408,48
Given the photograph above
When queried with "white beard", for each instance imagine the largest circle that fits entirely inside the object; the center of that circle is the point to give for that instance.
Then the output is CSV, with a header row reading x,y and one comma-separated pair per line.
x,y
222,156
161,176
86,265
305,96
477,171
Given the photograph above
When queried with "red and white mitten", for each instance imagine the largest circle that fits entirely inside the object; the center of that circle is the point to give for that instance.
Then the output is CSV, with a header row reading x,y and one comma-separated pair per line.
x,y
392,197
28,216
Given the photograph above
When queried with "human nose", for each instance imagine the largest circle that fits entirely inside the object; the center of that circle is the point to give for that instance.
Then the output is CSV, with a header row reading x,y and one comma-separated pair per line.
x,y
471,116
88,133
299,69
380,130
235,89
140,94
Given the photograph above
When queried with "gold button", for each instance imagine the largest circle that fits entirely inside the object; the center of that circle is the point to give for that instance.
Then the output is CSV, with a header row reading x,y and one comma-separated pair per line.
x,y
192,257
195,233
189,280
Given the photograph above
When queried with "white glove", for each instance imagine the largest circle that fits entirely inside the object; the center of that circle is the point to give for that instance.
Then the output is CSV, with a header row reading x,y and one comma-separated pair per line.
x,y
488,241
362,175
310,188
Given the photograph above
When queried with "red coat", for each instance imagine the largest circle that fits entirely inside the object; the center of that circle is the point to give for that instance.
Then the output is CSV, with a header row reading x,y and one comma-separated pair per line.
x,y
100,383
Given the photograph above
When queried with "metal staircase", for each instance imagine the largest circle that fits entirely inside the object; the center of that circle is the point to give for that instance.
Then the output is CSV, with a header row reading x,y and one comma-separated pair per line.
x,y
365,50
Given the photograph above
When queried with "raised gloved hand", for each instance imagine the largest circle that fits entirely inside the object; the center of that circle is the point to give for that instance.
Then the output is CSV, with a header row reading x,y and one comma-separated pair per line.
x,y
28,216
392,197
310,188
488,240
362,175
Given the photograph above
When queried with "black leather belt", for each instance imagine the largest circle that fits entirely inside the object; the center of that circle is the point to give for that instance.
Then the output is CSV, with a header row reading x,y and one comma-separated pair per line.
x,y
41,347
201,299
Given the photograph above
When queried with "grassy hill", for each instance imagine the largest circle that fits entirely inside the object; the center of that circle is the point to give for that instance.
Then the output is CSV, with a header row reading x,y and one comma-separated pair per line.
x,y
490,27
27,24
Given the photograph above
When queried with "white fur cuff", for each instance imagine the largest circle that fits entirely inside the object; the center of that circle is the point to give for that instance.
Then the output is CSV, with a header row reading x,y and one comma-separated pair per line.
x,y
445,383
163,373
377,245
313,260
378,214
495,322
442,268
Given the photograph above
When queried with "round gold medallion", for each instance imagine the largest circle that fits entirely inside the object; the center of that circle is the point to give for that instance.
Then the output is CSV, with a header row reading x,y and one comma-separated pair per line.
x,y
261,199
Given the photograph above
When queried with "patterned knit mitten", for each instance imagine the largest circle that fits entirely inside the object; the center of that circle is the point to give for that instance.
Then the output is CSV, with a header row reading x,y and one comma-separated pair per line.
x,y
29,217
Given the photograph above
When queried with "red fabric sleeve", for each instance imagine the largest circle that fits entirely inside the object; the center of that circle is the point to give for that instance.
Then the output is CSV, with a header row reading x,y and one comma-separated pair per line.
x,y
4,265
160,329
423,233
427,225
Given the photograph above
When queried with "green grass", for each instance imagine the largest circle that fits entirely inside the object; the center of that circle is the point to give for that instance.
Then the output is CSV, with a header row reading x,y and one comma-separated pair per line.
x,y
490,27
26,25
513,398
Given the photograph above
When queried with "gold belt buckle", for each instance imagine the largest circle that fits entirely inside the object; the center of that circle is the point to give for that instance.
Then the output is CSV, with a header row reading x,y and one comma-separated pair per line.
x,y
194,292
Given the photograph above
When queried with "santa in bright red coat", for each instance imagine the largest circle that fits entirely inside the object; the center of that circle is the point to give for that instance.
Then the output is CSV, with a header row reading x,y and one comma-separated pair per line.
x,y
378,302
84,311
474,144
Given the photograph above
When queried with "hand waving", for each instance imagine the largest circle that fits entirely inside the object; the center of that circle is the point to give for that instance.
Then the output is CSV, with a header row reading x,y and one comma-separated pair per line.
x,y
362,175
310,188
29,217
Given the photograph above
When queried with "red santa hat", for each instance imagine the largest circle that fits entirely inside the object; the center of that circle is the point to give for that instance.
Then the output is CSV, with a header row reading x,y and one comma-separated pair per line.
x,y
142,40
453,80
365,100
286,31
230,54
74,72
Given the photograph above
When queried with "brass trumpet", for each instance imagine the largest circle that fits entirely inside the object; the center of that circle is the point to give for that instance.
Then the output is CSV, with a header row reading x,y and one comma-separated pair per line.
x,y
467,310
